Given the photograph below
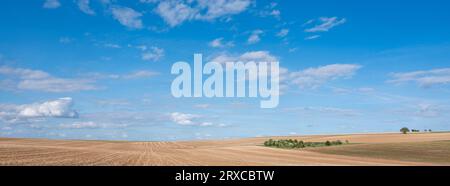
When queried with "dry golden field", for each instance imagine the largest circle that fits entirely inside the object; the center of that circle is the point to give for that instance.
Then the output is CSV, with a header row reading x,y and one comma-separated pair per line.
x,y
365,149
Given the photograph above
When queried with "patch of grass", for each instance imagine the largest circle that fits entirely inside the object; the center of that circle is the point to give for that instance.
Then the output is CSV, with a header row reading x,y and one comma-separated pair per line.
x,y
428,152
293,144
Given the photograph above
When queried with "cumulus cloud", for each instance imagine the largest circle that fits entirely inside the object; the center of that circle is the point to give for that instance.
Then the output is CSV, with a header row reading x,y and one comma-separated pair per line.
x,y
255,37
36,80
324,24
127,17
84,6
55,108
175,12
425,78
314,77
59,108
51,4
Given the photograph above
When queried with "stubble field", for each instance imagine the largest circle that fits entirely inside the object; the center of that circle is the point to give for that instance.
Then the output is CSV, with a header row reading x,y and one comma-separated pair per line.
x,y
364,149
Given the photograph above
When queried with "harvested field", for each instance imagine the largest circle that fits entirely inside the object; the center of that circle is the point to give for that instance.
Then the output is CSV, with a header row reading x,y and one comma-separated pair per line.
x,y
366,149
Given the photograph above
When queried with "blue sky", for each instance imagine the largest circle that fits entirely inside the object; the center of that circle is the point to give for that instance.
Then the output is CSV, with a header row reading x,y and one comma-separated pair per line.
x,y
100,69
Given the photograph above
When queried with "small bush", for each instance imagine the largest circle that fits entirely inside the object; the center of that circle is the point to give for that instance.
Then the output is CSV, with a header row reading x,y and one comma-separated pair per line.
x,y
293,144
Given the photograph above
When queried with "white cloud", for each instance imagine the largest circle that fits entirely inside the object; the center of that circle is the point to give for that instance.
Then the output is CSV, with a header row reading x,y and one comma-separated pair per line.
x,y
140,74
315,77
283,33
175,12
312,37
183,119
202,106
80,125
255,37
325,110
154,54
293,50
219,8
255,56
275,13
428,110
65,40
270,10
56,85
51,4
192,120
425,78
127,17
27,79
56,108
218,43
324,24
132,75
111,45
258,56
362,90
84,6
59,108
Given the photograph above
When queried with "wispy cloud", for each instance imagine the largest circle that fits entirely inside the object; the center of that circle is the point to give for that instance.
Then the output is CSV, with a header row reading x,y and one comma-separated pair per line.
x,y
84,6
283,33
425,78
312,37
66,40
219,43
128,76
36,80
152,53
325,110
315,77
270,10
192,120
80,125
51,4
256,56
255,37
324,24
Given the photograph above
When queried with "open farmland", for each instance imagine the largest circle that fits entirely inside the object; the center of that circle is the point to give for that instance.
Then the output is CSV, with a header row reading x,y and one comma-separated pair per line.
x,y
365,149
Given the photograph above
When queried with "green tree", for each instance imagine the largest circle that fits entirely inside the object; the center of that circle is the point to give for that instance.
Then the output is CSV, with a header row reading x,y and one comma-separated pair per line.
x,y
404,130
